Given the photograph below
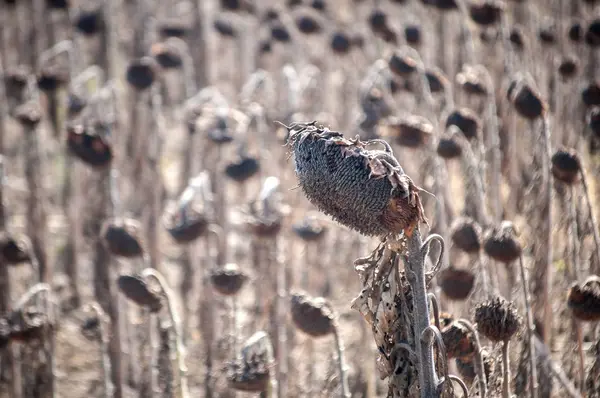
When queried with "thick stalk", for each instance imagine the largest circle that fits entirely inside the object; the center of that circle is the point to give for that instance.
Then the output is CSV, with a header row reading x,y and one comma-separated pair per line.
x,y
415,269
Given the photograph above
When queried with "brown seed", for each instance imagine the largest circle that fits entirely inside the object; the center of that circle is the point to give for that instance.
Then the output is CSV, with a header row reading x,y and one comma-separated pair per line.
x,y
566,165
313,316
121,237
584,299
466,234
500,244
136,289
229,279
497,319
456,283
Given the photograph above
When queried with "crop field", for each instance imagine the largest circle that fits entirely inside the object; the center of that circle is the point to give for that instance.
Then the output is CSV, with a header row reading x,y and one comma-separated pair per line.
x,y
299,198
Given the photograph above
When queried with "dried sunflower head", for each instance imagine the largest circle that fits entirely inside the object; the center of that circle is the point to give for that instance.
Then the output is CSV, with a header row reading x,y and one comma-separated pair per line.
x,y
138,290
312,315
229,279
497,319
251,370
458,341
566,165
501,244
584,299
363,189
456,283
122,237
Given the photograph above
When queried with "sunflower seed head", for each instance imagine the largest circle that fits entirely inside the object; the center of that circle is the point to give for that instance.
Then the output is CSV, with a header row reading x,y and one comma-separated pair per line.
x,y
365,190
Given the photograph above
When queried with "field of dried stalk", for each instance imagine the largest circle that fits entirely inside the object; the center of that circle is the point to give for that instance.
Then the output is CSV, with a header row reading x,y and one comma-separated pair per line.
x,y
299,198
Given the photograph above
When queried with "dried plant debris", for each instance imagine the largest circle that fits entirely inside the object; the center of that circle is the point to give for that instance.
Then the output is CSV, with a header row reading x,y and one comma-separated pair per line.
x,y
313,315
584,299
251,370
138,290
466,367
365,190
386,303
459,341
497,319
229,279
